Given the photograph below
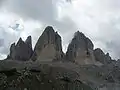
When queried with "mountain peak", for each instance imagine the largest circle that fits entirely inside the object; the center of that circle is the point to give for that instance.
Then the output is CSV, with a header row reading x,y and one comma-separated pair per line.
x,y
22,51
101,56
29,41
49,44
49,31
20,41
49,28
80,46
78,34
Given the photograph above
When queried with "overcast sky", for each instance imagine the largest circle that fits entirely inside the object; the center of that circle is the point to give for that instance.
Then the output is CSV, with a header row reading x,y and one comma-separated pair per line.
x,y
97,19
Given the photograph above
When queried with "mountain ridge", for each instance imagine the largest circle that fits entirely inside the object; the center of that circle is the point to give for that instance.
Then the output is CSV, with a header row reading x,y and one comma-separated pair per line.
x,y
51,37
81,66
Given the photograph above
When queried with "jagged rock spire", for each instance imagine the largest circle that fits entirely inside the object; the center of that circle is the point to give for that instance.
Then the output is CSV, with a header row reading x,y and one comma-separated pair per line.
x,y
48,46
12,48
29,41
101,56
80,50
20,41
82,40
22,51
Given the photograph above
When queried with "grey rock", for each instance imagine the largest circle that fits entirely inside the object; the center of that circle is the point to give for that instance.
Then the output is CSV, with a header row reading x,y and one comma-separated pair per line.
x,y
48,46
102,57
99,55
108,57
29,41
12,49
118,63
80,49
22,50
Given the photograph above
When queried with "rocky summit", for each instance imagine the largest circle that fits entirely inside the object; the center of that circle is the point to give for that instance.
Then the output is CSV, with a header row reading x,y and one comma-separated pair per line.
x,y
80,50
47,67
49,46
22,51
101,56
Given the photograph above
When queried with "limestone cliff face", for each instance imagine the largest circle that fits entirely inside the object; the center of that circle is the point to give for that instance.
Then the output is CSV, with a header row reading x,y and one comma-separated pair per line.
x,y
12,49
29,42
80,50
48,46
102,57
22,51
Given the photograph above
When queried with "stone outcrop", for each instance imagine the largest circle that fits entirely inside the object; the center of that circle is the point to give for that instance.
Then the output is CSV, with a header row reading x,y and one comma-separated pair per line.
x,y
22,51
80,50
29,42
48,47
102,57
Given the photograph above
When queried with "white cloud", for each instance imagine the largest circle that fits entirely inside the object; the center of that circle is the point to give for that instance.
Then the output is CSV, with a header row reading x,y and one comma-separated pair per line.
x,y
9,35
2,56
98,19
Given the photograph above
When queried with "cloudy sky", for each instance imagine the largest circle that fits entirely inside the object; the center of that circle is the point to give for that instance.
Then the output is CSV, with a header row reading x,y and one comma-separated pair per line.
x,y
97,19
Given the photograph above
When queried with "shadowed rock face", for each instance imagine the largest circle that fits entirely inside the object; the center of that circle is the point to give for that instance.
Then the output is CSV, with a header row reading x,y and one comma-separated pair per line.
x,y
12,49
48,47
29,42
22,51
80,50
102,57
